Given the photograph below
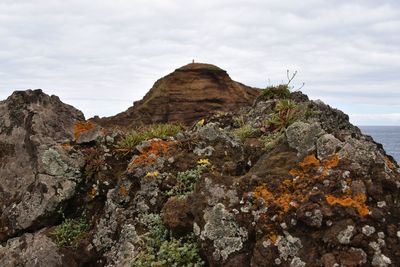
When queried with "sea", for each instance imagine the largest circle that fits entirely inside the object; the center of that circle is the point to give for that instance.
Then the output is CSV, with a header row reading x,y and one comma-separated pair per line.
x,y
388,136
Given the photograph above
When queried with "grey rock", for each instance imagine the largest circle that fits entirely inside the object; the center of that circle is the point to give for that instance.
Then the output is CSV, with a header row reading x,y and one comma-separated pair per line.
x,y
94,134
327,145
31,250
302,136
36,172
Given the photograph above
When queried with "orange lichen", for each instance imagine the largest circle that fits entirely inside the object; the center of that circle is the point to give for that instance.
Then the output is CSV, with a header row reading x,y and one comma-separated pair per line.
x,y
123,191
150,154
66,146
389,163
309,161
273,237
263,192
81,127
358,202
313,168
282,199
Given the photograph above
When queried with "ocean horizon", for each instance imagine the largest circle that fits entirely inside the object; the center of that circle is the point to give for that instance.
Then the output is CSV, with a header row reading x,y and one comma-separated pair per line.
x,y
388,136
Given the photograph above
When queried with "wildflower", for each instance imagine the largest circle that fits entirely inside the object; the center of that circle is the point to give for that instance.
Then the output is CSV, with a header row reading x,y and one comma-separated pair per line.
x,y
203,162
200,123
152,174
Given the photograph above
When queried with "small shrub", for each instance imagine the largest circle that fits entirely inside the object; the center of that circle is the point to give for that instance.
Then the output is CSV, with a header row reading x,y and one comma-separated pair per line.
x,y
186,181
276,92
285,113
161,249
70,231
134,137
244,132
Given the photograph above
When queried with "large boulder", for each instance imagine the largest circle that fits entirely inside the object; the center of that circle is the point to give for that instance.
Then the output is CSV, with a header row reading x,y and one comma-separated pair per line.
x,y
38,169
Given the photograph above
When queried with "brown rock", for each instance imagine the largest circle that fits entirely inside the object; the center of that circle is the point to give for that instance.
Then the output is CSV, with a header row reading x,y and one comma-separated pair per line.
x,y
176,214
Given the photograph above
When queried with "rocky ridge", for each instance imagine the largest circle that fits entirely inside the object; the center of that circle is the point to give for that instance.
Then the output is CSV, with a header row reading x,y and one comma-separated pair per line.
x,y
284,182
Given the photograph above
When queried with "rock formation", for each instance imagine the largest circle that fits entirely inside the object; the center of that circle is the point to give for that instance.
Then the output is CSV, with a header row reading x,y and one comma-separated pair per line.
x,y
189,93
285,182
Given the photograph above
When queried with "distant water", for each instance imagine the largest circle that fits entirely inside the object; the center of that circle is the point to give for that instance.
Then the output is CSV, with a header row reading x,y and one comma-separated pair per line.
x,y
388,136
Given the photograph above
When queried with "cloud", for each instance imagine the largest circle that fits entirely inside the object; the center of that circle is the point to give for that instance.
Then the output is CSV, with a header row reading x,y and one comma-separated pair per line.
x,y
102,56
375,119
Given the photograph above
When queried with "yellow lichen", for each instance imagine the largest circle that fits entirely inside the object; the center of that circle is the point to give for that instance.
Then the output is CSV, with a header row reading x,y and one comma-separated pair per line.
x,y
358,202
81,127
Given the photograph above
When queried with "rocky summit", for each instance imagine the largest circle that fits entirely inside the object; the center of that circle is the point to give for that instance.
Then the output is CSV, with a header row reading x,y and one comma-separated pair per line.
x,y
188,94
232,176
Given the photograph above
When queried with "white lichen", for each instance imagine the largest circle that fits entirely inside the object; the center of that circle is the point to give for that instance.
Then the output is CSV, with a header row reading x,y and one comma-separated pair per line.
x,y
224,231
345,236
368,230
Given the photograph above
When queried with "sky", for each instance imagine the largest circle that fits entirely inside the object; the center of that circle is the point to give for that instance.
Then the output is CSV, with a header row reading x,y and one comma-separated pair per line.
x,y
101,56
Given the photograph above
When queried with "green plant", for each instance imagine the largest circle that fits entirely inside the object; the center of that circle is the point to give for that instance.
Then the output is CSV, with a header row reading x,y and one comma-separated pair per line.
x,y
246,131
185,181
161,249
285,113
272,92
134,137
272,140
70,232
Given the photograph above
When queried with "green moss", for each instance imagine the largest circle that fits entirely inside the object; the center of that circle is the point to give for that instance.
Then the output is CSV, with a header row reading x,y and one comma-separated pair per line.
x,y
272,140
276,92
161,249
246,131
185,181
134,137
70,232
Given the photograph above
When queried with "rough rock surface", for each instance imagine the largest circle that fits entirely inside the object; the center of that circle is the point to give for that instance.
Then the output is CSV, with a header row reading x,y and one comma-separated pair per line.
x,y
189,93
240,189
37,173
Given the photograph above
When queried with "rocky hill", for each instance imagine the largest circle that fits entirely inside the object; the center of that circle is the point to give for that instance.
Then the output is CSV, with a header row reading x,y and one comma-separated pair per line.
x,y
284,182
189,93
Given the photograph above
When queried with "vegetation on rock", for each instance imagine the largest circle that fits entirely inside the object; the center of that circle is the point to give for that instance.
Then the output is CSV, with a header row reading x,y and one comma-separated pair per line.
x,y
135,137
69,233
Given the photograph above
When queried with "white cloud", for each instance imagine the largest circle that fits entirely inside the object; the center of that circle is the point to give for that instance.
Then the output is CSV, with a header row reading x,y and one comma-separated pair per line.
x,y
91,52
375,119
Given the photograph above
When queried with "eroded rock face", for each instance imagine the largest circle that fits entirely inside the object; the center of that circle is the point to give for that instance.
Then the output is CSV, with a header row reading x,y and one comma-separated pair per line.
x,y
37,173
188,94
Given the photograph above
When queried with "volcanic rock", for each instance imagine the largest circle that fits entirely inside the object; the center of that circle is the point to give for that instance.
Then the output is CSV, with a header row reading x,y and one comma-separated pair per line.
x,y
37,172
285,182
188,94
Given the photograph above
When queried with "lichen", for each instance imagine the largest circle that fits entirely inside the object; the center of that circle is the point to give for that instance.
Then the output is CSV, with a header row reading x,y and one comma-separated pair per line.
x,y
224,231
288,246
345,236
149,155
358,202
81,127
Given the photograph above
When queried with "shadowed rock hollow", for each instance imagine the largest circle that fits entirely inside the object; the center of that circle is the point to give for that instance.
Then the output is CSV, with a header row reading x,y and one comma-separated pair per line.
x,y
286,181
189,93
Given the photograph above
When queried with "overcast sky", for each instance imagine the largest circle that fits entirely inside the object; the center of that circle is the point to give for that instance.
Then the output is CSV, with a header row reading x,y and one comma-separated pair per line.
x,y
100,56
